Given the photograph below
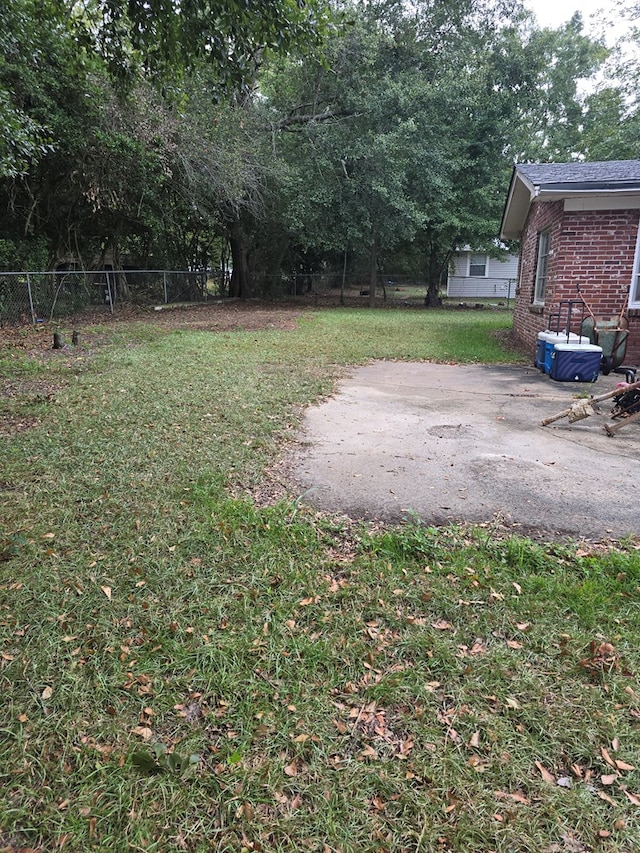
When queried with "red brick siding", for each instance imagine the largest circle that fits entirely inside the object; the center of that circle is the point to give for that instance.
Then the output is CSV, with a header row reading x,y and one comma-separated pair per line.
x,y
594,249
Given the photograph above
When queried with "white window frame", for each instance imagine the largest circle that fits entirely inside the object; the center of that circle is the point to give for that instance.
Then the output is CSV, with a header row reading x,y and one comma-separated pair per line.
x,y
542,267
470,264
634,289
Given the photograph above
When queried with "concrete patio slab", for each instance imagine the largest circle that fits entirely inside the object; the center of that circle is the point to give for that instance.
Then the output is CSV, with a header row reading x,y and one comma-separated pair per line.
x,y
464,443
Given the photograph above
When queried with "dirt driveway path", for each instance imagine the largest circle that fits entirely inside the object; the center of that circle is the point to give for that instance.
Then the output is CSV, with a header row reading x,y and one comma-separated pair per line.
x,y
455,443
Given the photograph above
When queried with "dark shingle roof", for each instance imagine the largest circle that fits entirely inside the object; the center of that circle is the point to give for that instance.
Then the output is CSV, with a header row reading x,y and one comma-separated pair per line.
x,y
556,181
614,172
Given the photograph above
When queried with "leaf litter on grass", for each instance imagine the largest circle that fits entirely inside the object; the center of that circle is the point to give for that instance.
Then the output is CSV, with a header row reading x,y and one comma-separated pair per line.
x,y
344,685
373,732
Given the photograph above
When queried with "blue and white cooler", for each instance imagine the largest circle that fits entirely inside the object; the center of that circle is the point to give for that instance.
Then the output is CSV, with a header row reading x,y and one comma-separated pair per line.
x,y
553,339
575,362
540,348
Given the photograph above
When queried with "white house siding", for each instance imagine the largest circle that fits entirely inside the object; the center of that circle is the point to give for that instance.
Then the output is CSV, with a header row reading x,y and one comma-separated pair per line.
x,y
498,283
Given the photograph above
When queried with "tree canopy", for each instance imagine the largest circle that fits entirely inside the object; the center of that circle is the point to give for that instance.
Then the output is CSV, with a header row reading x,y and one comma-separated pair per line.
x,y
166,36
415,123
294,135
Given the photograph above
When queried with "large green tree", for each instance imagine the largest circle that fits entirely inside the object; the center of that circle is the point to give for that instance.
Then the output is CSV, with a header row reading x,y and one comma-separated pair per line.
x,y
160,129
404,142
165,37
537,77
113,136
611,128
40,64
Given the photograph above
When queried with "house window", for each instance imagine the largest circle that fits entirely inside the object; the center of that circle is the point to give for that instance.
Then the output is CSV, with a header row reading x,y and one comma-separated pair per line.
x,y
478,266
544,244
634,296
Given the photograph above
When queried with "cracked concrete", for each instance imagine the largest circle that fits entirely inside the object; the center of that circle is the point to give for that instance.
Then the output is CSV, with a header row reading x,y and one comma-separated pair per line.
x,y
463,443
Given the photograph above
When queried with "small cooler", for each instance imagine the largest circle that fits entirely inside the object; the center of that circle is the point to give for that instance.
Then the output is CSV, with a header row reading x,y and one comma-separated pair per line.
x,y
552,339
575,362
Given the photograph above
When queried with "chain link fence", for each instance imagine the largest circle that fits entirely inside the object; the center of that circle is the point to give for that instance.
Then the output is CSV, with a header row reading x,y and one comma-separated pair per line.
x,y
391,290
36,297
337,286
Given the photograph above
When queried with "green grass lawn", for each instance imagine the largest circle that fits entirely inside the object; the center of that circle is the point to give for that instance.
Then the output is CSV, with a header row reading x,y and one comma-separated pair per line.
x,y
182,669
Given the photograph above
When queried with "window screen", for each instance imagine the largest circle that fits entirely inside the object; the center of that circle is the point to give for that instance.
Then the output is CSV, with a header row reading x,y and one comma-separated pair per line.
x,y
478,265
544,244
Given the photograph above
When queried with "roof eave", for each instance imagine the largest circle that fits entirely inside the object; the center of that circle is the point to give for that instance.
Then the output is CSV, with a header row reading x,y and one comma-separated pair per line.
x,y
522,193
557,193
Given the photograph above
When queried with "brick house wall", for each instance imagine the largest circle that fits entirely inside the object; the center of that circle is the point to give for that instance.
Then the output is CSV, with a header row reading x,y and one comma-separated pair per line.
x,y
594,249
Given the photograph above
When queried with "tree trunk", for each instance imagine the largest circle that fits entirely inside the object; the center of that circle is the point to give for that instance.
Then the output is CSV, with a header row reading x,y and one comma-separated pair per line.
x,y
273,276
433,298
279,256
239,285
373,273
110,262
434,277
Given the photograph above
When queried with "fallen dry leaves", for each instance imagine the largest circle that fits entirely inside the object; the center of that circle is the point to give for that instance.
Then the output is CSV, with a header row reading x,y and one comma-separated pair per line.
x,y
602,657
546,775
375,731
611,780
515,796
143,731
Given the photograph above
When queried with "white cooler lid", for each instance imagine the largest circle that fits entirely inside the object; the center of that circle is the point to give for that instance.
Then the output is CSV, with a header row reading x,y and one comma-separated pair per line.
x,y
561,338
576,347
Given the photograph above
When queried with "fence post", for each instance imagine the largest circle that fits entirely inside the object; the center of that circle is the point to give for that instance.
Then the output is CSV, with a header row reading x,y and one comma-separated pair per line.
x,y
344,276
33,313
109,291
164,284
509,292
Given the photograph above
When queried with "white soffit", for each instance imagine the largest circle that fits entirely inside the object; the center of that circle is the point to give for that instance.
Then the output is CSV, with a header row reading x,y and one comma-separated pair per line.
x,y
521,194
603,203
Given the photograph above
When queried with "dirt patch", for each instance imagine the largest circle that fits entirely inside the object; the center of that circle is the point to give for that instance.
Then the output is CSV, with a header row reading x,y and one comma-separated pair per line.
x,y
228,317
12,424
508,339
92,334
37,389
214,316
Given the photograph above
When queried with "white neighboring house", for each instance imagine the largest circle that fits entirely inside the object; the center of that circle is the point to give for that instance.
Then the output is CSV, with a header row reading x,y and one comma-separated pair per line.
x,y
475,274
